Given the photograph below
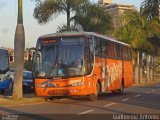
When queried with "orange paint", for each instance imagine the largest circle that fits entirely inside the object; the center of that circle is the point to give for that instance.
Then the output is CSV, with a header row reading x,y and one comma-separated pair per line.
x,y
109,71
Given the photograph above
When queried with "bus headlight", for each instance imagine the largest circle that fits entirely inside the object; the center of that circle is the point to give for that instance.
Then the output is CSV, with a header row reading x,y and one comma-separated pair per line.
x,y
40,85
77,84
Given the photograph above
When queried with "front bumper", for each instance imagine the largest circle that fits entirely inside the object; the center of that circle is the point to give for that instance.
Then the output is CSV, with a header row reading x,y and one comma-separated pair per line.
x,y
69,91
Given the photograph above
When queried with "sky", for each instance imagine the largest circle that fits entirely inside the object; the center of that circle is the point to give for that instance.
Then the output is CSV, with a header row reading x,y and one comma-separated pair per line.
x,y
8,21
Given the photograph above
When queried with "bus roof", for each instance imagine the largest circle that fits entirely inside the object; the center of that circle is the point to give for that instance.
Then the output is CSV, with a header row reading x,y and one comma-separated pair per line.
x,y
75,33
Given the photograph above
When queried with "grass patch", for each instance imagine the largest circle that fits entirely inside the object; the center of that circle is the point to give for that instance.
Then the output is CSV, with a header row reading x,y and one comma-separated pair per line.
x,y
18,102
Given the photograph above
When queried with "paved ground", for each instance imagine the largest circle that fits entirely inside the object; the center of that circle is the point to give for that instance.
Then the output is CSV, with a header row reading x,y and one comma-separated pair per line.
x,y
138,99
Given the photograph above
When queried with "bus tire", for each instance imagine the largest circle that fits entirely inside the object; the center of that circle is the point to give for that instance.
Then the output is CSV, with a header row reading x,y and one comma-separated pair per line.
x,y
121,90
94,96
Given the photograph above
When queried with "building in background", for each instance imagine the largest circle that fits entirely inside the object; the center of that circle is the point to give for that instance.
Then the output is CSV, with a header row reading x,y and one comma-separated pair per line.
x,y
11,54
116,10
28,54
105,2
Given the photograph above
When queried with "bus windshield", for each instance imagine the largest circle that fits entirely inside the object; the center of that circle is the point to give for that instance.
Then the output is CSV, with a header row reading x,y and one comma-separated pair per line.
x,y
61,57
4,62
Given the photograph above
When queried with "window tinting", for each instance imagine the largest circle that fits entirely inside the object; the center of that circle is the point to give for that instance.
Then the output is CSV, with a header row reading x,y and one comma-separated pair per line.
x,y
98,48
104,48
111,50
118,52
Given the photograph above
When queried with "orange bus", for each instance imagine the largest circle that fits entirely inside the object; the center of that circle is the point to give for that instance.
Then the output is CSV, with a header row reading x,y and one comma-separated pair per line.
x,y
81,64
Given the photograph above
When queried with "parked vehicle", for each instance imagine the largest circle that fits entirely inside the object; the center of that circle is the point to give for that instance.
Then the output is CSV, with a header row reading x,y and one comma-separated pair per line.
x,y
28,81
4,70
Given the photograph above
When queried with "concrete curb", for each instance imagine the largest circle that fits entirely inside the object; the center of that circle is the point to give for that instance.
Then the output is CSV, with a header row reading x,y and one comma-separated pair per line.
x,y
151,83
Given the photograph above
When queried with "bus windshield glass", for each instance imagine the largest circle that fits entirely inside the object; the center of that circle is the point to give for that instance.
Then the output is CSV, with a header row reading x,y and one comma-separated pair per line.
x,y
4,62
61,57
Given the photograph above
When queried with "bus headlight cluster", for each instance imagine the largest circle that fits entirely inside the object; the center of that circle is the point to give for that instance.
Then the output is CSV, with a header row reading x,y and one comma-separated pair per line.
x,y
77,84
40,85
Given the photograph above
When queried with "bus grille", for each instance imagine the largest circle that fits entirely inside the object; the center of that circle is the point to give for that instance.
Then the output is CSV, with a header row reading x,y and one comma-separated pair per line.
x,y
58,92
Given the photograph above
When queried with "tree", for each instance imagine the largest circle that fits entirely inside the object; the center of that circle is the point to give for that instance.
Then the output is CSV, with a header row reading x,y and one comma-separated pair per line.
x,y
45,9
151,66
73,27
135,30
150,8
93,17
85,15
19,44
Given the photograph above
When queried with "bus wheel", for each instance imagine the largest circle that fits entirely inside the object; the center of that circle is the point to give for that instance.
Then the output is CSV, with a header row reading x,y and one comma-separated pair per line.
x,y
94,96
121,90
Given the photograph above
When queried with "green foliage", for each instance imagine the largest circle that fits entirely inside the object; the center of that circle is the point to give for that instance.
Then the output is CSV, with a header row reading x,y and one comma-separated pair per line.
x,y
136,29
85,15
28,65
45,9
132,29
150,9
93,17
64,28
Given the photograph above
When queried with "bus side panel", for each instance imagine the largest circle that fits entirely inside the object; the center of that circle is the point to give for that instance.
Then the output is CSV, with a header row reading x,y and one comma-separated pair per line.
x,y
128,73
114,74
97,72
109,72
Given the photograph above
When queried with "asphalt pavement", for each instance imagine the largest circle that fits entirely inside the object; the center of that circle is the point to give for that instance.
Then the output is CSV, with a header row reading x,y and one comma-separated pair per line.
x,y
136,102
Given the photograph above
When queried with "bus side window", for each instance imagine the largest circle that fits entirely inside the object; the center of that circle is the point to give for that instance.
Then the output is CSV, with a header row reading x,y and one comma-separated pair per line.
x,y
111,50
121,52
98,48
104,48
118,52
89,56
126,53
130,53
115,50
